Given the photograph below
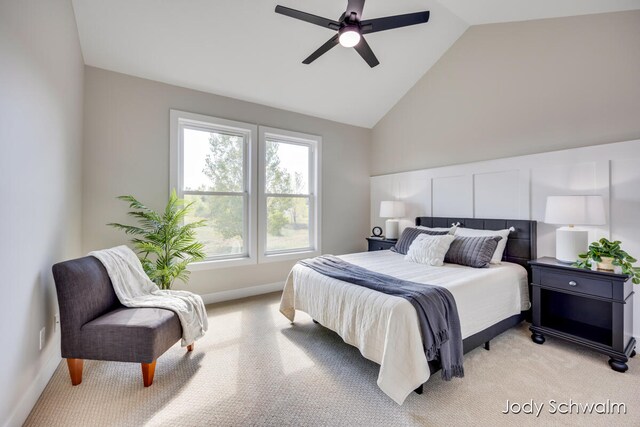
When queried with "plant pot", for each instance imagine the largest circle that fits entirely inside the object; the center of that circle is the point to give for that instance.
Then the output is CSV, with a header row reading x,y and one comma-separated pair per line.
x,y
606,264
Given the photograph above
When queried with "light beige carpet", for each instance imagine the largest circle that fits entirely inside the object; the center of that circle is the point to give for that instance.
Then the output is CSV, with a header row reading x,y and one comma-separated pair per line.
x,y
253,368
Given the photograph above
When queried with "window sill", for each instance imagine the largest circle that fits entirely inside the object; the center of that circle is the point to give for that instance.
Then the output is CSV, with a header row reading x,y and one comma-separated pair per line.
x,y
289,256
221,263
239,262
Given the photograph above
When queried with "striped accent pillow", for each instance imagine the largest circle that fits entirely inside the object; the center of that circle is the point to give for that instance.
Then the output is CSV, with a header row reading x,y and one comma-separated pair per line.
x,y
472,251
409,235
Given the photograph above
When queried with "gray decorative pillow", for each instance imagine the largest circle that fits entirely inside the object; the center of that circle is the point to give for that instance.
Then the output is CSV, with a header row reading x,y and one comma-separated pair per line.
x,y
472,251
408,236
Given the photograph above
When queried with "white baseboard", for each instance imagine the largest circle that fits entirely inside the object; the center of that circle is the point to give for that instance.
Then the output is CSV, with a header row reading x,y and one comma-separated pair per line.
x,y
242,292
29,399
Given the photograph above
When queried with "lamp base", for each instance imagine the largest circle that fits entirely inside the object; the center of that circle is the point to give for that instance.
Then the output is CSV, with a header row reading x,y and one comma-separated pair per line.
x,y
570,242
391,227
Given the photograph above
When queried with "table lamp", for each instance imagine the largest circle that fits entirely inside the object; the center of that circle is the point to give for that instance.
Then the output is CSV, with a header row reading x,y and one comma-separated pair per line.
x,y
392,210
570,211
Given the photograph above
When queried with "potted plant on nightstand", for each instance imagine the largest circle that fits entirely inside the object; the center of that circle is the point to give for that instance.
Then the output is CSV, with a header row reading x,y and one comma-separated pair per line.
x,y
607,255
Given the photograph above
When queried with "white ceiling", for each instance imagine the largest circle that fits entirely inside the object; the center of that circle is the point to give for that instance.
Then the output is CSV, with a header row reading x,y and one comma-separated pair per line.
x,y
243,49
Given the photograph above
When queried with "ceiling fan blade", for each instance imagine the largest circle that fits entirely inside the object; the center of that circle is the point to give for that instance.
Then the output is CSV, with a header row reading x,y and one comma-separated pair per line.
x,y
391,22
365,51
307,17
355,6
322,50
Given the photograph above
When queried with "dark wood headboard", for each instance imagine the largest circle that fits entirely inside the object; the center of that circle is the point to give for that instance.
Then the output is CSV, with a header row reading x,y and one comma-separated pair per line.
x,y
522,243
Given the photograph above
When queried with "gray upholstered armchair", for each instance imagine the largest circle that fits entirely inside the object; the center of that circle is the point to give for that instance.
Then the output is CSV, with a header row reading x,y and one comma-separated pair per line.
x,y
96,326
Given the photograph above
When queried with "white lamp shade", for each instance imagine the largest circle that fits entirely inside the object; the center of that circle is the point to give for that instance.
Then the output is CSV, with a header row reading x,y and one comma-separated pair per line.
x,y
391,209
575,210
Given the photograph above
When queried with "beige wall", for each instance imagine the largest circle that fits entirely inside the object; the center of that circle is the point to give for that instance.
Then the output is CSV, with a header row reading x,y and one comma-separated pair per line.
x,y
518,88
126,151
41,83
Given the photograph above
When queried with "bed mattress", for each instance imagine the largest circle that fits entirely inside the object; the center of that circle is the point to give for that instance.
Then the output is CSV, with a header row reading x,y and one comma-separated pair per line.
x,y
385,328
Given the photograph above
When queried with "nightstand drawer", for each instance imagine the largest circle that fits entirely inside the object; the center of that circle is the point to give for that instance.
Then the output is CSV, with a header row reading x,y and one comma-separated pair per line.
x,y
576,283
380,245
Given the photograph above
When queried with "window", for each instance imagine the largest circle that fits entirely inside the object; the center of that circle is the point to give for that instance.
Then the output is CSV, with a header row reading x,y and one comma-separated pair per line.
x,y
289,205
260,198
211,166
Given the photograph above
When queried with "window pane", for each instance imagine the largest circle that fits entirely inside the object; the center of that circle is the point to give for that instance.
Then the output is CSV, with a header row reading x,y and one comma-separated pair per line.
x,y
287,223
213,161
224,232
287,168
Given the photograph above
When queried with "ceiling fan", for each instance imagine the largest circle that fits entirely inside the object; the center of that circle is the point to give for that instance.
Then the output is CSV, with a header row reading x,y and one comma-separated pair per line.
x,y
350,28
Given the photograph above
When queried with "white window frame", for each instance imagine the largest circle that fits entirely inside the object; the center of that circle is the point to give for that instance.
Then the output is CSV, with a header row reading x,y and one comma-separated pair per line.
x,y
181,119
314,142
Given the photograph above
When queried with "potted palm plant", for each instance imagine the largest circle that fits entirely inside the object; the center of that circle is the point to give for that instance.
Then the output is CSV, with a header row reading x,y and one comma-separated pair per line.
x,y
165,245
607,255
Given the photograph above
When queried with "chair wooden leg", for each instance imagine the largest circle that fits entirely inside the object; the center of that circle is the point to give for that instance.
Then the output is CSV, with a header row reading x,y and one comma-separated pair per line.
x,y
190,347
75,370
148,369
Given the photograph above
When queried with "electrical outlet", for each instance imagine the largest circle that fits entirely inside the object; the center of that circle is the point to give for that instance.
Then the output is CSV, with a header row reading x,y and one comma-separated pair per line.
x,y
42,332
56,321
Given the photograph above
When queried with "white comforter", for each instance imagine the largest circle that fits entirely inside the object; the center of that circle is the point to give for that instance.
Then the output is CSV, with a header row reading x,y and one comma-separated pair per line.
x,y
385,328
134,289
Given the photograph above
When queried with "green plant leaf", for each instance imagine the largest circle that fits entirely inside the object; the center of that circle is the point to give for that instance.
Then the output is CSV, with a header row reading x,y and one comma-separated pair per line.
x,y
606,248
165,245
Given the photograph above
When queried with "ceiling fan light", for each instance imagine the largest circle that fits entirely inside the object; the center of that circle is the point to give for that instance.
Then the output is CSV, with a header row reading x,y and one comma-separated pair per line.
x,y
349,37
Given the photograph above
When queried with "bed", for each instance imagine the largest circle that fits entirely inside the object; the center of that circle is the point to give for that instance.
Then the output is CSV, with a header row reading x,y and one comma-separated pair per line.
x,y
385,328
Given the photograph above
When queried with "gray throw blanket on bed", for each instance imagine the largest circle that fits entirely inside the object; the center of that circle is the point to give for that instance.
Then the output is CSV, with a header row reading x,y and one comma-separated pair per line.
x,y
435,306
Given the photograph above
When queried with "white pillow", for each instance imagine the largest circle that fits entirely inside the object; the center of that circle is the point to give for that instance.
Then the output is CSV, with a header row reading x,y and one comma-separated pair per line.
x,y
451,230
430,250
502,244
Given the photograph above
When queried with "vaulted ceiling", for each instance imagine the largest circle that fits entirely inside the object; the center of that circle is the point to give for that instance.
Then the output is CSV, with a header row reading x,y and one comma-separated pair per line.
x,y
242,49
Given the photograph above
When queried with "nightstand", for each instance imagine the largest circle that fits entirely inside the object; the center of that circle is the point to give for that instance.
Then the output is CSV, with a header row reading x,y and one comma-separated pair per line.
x,y
380,244
590,308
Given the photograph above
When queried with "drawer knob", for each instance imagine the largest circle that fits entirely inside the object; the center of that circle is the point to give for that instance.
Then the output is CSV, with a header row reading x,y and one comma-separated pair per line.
x,y
573,283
